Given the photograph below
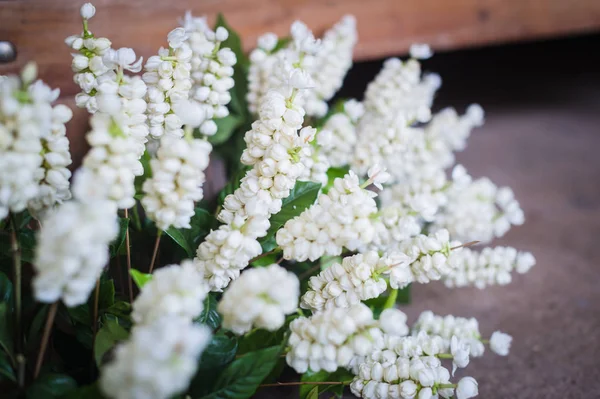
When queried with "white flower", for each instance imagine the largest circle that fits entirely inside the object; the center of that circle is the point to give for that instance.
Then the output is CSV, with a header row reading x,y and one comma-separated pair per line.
x,y
460,350
87,11
158,361
393,322
467,388
122,58
267,41
173,291
331,338
177,37
420,51
378,175
70,255
176,182
500,343
260,298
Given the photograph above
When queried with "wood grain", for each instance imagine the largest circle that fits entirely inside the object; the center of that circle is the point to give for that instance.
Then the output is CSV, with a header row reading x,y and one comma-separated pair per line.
x,y
386,27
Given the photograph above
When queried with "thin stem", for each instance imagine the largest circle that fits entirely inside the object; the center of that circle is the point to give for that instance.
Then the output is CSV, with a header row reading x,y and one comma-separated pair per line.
x,y
391,300
95,311
309,272
444,356
16,255
288,384
264,254
155,252
465,245
45,338
127,244
444,386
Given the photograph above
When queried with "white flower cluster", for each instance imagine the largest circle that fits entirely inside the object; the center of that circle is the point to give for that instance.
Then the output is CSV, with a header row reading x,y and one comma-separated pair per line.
x,y
491,266
262,64
168,76
109,168
340,218
467,330
316,166
337,138
176,182
53,174
174,290
275,149
428,260
332,62
478,209
260,298
331,338
158,361
346,284
72,250
408,368
212,70
27,121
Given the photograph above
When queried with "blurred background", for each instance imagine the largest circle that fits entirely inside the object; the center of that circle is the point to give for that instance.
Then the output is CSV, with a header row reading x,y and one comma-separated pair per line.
x,y
534,66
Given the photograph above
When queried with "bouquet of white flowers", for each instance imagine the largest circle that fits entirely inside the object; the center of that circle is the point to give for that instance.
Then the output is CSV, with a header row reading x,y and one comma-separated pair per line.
x,y
331,212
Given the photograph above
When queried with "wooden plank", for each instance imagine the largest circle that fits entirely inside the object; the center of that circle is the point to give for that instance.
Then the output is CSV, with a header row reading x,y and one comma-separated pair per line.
x,y
386,27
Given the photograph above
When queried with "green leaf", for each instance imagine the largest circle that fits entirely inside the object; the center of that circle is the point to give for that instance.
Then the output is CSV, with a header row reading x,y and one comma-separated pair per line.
x,y
35,329
51,386
85,392
81,314
26,238
140,279
259,339
281,43
267,260
301,197
242,377
378,304
334,173
116,246
189,239
209,315
225,128
340,375
107,294
121,309
6,340
6,369
5,289
404,295
313,394
139,180
109,335
218,354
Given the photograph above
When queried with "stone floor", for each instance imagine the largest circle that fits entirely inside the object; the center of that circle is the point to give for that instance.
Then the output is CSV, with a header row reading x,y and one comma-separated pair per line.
x,y
542,138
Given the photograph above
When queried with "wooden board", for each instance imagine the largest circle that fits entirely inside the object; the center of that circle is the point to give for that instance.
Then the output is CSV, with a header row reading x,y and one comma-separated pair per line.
x,y
386,27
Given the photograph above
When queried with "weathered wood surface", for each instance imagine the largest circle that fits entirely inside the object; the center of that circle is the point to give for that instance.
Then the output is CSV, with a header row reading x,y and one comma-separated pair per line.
x,y
386,27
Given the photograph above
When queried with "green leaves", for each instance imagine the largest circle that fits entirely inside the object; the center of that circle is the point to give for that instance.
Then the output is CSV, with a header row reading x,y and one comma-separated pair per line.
x,y
225,128
117,244
340,375
242,377
378,304
188,239
140,279
6,369
110,333
6,340
27,241
209,315
301,197
51,386
334,173
5,288
313,394
218,354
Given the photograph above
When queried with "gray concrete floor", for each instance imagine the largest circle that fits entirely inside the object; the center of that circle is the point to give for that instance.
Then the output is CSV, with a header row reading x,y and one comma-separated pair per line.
x,y
542,138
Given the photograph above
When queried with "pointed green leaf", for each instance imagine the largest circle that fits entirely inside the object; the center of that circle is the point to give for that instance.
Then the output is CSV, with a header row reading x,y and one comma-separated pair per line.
x,y
313,394
35,329
301,197
140,279
218,354
6,369
341,375
81,314
116,246
107,337
107,294
121,309
209,315
242,377
225,128
50,386
189,239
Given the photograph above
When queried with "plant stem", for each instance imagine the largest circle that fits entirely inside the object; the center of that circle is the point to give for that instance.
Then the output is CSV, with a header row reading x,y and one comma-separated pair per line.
x,y
264,254
288,384
444,356
127,244
465,245
155,252
309,272
16,255
45,338
391,300
95,311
